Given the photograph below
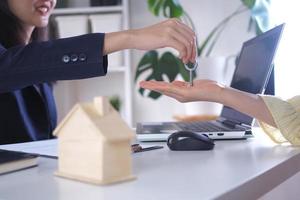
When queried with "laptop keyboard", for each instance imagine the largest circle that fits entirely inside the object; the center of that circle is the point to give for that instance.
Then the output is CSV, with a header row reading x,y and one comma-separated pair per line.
x,y
209,126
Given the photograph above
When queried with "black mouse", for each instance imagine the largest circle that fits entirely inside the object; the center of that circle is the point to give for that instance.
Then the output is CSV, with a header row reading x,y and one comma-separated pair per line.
x,y
189,141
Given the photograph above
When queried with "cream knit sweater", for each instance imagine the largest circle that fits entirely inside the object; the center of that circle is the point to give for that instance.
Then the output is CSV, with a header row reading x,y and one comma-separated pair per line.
x,y
286,115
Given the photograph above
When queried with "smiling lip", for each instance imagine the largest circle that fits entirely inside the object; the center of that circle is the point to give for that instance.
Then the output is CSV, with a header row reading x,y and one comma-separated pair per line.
x,y
43,8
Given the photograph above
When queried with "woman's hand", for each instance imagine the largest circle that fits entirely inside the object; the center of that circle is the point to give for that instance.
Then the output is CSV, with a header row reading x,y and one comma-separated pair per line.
x,y
202,90
207,90
169,33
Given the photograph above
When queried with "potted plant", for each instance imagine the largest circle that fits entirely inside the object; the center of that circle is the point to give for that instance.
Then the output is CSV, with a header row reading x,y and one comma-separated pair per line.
x,y
159,65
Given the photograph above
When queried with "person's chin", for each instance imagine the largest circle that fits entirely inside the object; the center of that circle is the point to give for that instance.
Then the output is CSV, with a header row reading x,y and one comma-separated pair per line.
x,y
42,23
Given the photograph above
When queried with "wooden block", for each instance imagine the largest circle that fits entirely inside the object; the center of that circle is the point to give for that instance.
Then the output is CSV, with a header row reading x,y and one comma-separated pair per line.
x,y
102,105
94,144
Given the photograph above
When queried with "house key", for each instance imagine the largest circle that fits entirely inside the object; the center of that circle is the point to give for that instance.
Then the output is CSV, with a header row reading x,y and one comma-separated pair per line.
x,y
191,67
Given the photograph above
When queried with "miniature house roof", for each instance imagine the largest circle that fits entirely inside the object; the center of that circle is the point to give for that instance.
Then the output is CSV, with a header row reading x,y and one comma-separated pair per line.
x,y
106,120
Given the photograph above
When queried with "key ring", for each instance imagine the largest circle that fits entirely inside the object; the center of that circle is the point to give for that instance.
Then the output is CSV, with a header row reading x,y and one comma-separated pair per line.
x,y
191,66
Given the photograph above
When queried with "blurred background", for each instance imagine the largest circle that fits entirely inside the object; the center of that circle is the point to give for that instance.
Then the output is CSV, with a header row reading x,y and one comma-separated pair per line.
x,y
230,22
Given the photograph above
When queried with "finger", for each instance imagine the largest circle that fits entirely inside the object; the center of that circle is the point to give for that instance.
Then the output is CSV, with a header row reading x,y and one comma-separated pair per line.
x,y
156,89
146,84
175,87
175,96
170,28
192,43
180,83
160,86
190,35
167,89
153,85
157,83
170,94
186,28
194,51
186,32
174,43
185,40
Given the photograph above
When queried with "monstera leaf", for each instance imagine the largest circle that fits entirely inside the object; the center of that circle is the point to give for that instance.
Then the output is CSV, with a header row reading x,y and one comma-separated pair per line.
x,y
167,65
260,17
169,8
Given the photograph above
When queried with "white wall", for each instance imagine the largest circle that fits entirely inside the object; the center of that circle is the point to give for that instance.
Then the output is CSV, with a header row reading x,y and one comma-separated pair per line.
x,y
205,14
287,58
78,3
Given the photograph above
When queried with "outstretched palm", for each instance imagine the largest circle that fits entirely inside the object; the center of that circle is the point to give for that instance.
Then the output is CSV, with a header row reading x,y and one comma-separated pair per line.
x,y
202,90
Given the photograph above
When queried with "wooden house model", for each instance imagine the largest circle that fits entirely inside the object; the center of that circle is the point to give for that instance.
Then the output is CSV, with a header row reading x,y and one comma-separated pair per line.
x,y
94,144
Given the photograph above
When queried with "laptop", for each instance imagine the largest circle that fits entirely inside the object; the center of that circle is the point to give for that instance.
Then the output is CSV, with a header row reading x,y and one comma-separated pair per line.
x,y
254,66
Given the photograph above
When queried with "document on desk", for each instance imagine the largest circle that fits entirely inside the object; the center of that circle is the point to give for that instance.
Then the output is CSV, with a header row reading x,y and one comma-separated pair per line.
x,y
48,148
45,148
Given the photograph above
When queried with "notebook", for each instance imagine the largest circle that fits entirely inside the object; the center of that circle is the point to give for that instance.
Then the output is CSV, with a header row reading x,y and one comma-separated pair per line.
x,y
254,66
12,161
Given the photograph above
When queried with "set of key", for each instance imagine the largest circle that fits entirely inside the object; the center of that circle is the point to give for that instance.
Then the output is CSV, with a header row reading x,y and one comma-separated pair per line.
x,y
191,67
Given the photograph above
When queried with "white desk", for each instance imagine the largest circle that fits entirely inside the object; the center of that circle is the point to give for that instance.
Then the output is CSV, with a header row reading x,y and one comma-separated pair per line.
x,y
242,169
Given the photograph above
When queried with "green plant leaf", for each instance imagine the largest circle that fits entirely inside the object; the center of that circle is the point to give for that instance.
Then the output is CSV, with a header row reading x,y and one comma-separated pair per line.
x,y
115,101
249,3
151,6
148,62
260,14
259,17
167,65
183,72
172,9
250,24
154,95
155,6
169,8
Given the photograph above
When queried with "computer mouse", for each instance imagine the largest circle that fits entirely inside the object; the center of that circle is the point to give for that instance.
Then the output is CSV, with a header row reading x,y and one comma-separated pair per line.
x,y
189,141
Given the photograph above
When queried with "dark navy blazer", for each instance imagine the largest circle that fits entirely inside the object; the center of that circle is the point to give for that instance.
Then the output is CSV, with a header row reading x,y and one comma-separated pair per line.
x,y
27,107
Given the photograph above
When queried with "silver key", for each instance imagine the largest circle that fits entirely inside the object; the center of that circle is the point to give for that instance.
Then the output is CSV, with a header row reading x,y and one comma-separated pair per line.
x,y
191,67
191,78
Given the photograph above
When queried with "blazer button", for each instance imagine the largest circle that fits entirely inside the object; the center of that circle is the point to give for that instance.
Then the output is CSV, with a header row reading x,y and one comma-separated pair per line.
x,y
66,58
82,57
74,58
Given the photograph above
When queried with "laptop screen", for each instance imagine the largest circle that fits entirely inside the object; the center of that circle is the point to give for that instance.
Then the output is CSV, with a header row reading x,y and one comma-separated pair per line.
x,y
253,69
